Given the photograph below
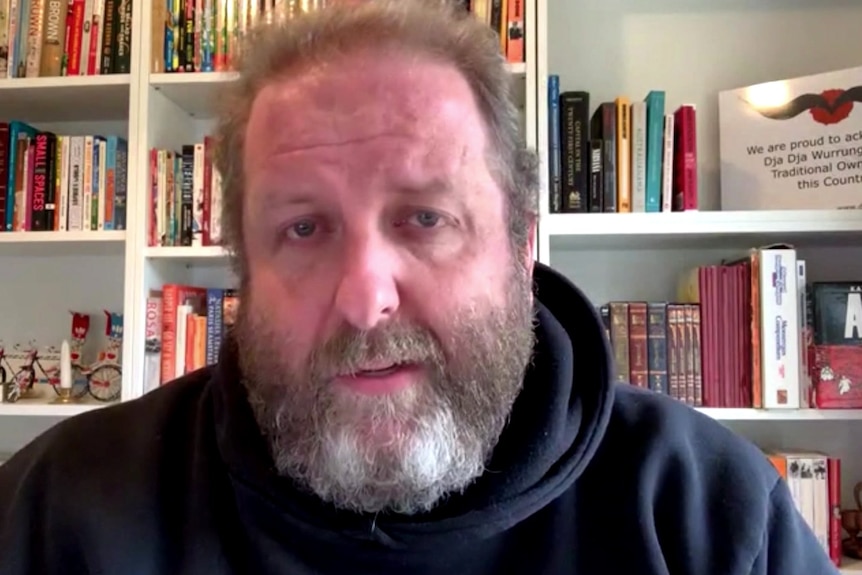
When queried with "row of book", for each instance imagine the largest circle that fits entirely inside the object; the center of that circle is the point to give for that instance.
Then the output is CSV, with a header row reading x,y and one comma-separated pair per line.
x,y
751,332
185,197
185,326
55,182
506,17
65,37
814,481
207,35
623,156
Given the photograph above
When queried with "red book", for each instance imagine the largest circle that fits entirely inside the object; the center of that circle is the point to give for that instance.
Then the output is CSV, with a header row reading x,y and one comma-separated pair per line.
x,y
833,477
837,376
685,159
174,295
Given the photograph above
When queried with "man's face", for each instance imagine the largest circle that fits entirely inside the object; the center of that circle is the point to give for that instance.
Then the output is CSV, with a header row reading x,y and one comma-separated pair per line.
x,y
386,322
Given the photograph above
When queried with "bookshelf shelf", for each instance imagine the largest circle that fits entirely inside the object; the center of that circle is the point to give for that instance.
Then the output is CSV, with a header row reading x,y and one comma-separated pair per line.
x,y
40,408
66,98
851,566
744,414
195,92
62,243
205,253
677,230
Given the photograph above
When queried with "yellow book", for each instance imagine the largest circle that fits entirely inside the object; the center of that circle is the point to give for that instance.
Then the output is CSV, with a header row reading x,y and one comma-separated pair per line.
x,y
624,154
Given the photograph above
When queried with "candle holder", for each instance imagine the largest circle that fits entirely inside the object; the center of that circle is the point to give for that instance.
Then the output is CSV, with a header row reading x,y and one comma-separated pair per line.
x,y
65,396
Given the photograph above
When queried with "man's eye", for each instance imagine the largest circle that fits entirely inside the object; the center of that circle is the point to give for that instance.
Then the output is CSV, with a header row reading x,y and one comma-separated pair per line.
x,y
426,219
302,229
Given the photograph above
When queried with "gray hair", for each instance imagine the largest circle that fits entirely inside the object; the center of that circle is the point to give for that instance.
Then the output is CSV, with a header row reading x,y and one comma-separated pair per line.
x,y
439,29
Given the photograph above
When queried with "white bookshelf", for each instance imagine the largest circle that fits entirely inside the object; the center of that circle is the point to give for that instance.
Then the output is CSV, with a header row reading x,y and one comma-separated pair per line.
x,y
689,49
692,50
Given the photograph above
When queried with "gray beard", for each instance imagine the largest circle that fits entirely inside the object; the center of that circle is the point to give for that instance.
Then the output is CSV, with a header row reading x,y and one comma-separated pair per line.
x,y
401,452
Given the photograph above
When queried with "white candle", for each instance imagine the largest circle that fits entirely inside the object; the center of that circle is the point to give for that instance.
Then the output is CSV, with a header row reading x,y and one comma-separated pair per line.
x,y
65,366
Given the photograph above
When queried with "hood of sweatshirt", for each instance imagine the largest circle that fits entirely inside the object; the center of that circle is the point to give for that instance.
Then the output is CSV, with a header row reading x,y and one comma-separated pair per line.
x,y
556,425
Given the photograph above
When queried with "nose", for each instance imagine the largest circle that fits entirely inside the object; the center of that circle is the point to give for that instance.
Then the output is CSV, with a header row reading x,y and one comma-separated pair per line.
x,y
368,290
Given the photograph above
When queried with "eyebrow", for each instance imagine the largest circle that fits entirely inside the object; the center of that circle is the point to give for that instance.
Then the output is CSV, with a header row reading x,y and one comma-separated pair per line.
x,y
436,186
268,196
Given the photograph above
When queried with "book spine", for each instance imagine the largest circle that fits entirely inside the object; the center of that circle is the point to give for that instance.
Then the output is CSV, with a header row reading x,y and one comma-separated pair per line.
x,y
624,154
41,159
110,187
833,473
655,117
187,195
619,313
638,347
65,160
51,187
675,351
35,29
595,202
109,33
121,184
198,195
609,157
695,354
554,152
638,156
5,168
667,165
685,162
574,110
215,302
802,327
780,337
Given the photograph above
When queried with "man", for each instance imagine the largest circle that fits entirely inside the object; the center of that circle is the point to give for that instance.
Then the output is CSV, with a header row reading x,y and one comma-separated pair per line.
x,y
404,392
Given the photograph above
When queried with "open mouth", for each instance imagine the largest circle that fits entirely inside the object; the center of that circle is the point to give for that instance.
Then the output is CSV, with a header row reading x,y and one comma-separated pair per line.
x,y
380,378
377,372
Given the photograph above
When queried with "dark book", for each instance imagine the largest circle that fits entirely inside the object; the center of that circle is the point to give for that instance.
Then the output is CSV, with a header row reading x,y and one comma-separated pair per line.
x,y
657,346
574,149
837,313
595,202
603,126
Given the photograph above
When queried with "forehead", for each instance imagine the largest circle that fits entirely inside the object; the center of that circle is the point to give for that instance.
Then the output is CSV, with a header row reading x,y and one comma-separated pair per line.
x,y
365,95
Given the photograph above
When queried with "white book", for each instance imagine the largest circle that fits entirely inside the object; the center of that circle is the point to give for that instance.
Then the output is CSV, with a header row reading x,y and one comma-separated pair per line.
x,y
87,192
820,488
779,331
86,38
215,206
103,184
667,165
153,341
162,198
97,33
198,195
794,481
76,182
638,165
183,311
63,192
12,31
802,305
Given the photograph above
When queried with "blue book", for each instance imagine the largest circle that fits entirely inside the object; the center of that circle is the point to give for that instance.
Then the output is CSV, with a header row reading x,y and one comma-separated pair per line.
x,y
554,167
655,149
16,128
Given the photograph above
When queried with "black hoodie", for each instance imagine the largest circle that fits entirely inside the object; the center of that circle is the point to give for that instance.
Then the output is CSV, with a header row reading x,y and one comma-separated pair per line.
x,y
589,478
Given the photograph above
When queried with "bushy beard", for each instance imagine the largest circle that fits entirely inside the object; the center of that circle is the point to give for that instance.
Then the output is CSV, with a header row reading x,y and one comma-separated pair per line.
x,y
401,452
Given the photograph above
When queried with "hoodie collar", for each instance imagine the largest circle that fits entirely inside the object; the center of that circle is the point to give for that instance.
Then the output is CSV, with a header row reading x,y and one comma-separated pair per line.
x,y
555,427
